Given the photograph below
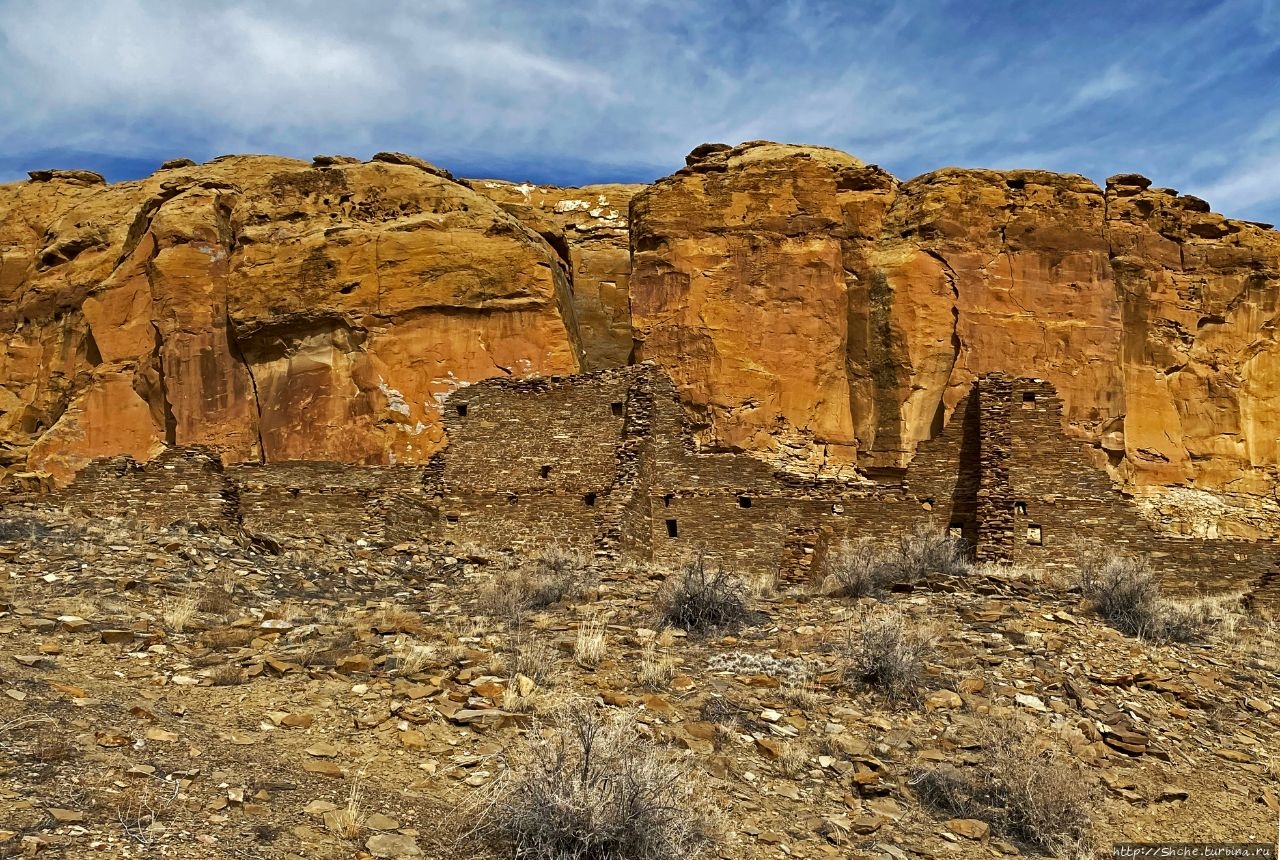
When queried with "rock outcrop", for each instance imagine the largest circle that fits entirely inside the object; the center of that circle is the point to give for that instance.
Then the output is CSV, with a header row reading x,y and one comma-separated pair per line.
x,y
815,310
588,228
812,310
265,308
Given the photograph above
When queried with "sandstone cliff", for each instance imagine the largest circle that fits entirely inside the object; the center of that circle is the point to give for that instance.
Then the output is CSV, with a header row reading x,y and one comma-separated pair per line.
x,y
812,309
818,311
264,307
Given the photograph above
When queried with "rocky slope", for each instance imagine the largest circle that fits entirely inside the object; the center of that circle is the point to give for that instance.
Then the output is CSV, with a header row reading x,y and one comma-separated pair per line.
x,y
811,308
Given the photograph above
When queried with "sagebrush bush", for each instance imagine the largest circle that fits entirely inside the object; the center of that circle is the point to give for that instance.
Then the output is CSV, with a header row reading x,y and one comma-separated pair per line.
x,y
553,575
888,654
855,569
859,568
703,599
1022,791
1126,592
594,789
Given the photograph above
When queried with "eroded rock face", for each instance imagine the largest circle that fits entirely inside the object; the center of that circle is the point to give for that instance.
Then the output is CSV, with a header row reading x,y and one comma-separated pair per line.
x,y
265,308
819,312
811,309
588,228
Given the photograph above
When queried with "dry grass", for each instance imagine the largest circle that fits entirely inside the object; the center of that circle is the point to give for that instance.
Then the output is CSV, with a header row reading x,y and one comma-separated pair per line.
x,y
655,670
410,658
589,646
178,612
1022,790
530,656
397,619
888,654
226,675
594,789
700,600
553,576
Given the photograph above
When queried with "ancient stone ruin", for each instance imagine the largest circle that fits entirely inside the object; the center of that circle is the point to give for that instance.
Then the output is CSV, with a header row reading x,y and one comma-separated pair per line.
x,y
773,349
606,462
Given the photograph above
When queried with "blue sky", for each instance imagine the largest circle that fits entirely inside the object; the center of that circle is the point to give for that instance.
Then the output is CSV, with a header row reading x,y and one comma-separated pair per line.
x,y
1187,93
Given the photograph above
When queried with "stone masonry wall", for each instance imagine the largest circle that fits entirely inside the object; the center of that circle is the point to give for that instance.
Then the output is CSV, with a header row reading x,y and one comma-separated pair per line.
x,y
605,462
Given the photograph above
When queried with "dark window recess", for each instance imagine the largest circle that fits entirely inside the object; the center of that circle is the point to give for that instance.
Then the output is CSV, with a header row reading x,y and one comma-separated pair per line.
x,y
616,407
1028,400
744,501
512,498
589,500
1020,508
673,529
666,500
462,410
1035,535
955,530
545,471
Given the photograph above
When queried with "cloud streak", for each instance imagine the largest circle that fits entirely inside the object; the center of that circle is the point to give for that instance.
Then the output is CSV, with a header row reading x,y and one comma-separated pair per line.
x,y
601,89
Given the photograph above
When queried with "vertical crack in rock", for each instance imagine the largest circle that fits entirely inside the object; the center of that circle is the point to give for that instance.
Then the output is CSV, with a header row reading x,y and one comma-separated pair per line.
x,y
233,344
170,421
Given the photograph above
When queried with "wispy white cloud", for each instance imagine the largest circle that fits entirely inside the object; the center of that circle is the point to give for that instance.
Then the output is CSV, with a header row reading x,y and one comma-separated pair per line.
x,y
1167,87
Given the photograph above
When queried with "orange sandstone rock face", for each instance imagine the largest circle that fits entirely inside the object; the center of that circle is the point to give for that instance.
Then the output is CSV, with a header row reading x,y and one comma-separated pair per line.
x,y
266,308
818,312
811,309
588,228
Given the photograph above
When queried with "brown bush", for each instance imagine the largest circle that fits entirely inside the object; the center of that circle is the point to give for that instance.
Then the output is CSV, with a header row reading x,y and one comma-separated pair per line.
x,y
702,599
1024,792
594,789
888,654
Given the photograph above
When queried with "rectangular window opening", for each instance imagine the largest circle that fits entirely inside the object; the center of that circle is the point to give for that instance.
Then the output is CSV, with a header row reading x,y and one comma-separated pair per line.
x,y
955,531
616,407
1020,508
1028,400
744,501
545,472
589,500
1035,535
461,409
673,530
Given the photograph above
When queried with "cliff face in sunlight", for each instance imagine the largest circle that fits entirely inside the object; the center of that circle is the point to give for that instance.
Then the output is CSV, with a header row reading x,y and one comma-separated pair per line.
x,y
812,310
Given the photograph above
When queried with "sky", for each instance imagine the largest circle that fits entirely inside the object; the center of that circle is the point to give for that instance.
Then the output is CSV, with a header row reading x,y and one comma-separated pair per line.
x,y
1187,93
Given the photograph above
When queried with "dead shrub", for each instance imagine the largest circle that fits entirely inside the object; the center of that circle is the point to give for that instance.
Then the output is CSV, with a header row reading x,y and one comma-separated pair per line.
x,y
703,600
1126,592
888,654
861,569
554,575
594,789
1023,791
226,675
855,569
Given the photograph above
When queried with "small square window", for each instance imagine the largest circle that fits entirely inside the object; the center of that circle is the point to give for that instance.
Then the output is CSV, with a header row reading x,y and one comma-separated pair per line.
x,y
616,408
1035,535
955,531
461,409
1020,508
545,472
589,500
1028,400
744,501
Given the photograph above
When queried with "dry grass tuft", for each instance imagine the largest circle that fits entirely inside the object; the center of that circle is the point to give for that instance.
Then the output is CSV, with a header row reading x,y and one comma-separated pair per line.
x,y
595,789
655,670
589,646
226,675
178,612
